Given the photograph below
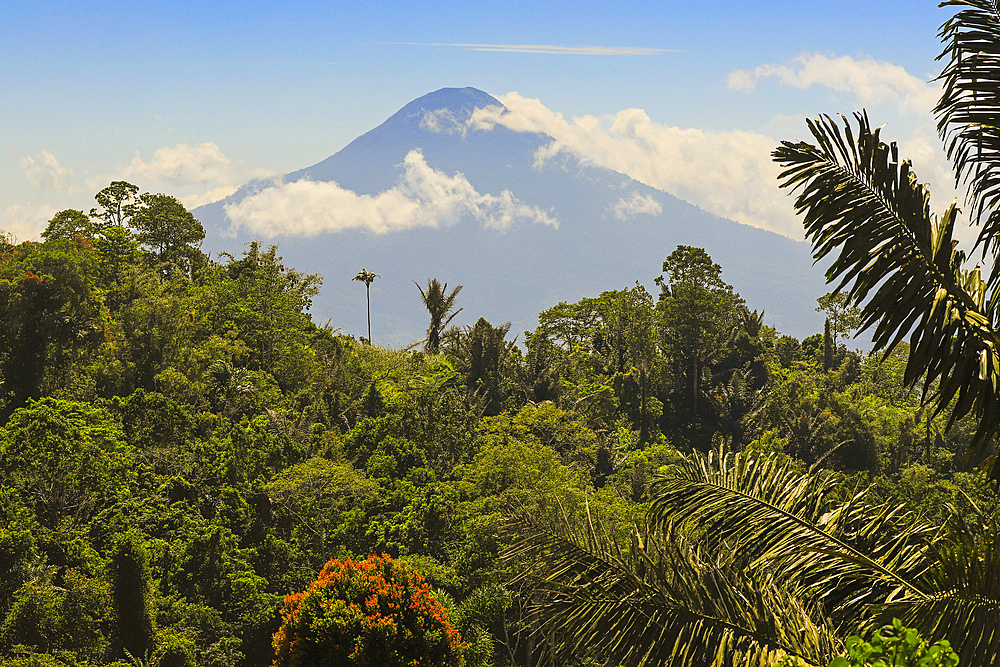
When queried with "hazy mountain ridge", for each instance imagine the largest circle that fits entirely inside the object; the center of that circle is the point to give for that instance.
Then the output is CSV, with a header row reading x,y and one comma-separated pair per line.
x,y
513,274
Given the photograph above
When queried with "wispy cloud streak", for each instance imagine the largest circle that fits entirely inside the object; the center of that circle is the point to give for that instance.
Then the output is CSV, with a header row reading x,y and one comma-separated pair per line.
x,y
549,49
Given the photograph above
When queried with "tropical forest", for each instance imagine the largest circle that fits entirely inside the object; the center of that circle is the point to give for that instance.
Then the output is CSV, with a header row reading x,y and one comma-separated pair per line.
x,y
195,471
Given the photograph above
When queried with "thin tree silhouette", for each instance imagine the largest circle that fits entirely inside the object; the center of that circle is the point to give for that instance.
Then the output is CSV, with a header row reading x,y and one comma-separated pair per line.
x,y
368,277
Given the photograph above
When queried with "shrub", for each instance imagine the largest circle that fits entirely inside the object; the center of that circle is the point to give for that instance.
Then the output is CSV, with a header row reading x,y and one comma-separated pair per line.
x,y
896,646
374,612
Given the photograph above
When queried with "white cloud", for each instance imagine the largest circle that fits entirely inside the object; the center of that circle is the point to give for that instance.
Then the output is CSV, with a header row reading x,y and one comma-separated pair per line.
x,y
26,222
181,164
869,81
904,100
215,194
424,197
551,49
730,173
196,174
44,171
636,204
443,121
727,173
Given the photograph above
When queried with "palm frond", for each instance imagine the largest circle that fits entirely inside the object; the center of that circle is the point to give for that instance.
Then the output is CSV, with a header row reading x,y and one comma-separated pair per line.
x,y
965,606
660,602
969,109
863,204
793,525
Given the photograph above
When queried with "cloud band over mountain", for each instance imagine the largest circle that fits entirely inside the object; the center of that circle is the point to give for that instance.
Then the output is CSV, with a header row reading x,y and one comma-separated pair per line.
x,y
424,197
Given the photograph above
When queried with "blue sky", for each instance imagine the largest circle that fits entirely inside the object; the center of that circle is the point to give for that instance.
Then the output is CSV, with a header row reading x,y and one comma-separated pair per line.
x,y
194,98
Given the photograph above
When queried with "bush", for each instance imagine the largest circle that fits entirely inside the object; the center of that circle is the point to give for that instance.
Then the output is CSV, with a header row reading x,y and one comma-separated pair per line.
x,y
374,612
892,646
896,646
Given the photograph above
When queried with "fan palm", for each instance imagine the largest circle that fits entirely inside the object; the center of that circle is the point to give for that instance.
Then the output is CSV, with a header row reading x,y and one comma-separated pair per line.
x,y
439,304
745,559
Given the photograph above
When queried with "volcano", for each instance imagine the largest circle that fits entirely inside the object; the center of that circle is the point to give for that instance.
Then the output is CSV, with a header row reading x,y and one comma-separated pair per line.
x,y
433,192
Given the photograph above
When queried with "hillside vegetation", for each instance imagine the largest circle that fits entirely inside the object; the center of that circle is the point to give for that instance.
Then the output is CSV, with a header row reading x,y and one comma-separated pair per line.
x,y
183,446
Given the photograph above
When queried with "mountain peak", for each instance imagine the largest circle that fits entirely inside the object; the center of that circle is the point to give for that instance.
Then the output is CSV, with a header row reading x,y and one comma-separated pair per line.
x,y
459,101
375,156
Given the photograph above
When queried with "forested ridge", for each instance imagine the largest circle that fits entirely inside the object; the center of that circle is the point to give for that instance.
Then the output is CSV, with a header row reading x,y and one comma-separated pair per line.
x,y
183,445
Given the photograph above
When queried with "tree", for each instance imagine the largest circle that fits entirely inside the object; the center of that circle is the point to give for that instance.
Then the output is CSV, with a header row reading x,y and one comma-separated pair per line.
x,y
863,205
368,277
118,202
69,224
377,611
73,617
169,229
267,301
844,318
439,304
50,311
488,362
699,312
130,588
66,460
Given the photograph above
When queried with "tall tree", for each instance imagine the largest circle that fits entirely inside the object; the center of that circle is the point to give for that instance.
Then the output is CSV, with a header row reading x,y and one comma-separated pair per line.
x,y
117,202
130,585
699,310
168,229
439,304
844,317
367,277
863,205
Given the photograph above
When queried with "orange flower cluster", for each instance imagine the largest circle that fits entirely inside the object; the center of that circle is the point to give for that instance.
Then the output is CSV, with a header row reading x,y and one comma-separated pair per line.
x,y
376,611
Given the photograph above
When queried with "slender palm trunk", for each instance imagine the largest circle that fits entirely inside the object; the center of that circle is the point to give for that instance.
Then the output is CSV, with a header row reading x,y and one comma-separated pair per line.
x,y
368,299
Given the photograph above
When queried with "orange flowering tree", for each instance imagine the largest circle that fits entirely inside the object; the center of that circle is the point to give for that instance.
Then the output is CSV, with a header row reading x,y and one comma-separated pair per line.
x,y
373,612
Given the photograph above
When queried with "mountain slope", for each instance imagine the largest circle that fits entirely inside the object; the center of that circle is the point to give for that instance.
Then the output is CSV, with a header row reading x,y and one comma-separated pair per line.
x,y
611,230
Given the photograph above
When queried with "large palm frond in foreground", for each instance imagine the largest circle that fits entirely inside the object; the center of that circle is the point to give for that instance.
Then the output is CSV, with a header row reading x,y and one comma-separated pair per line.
x,y
746,559
795,527
661,602
863,205
962,603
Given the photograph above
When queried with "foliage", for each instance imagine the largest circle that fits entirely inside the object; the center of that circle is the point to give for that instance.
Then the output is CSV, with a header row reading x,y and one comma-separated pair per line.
x,y
892,645
182,445
896,645
371,612
440,306
52,314
727,529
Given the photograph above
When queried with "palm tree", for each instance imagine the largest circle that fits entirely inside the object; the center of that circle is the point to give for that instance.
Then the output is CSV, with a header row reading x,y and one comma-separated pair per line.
x,y
863,205
745,560
438,303
367,277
